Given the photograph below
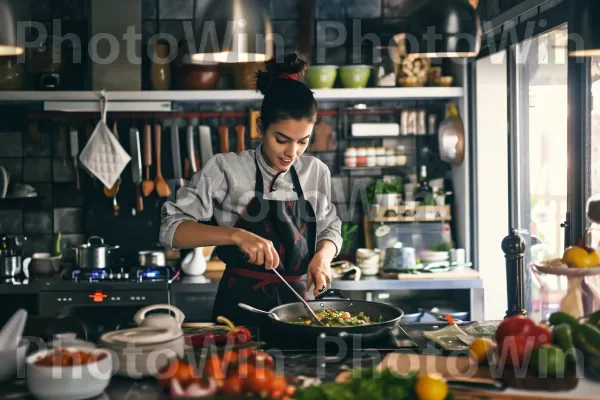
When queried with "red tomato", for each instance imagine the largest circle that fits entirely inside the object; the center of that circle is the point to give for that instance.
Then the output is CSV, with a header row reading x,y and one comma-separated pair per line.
x,y
279,384
259,381
232,386
214,368
230,358
260,359
243,371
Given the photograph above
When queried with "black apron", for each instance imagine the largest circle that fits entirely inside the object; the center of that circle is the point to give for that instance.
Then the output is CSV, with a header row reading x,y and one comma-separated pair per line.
x,y
291,226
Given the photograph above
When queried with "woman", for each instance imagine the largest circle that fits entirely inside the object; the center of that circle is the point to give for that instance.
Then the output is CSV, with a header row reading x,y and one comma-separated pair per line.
x,y
264,209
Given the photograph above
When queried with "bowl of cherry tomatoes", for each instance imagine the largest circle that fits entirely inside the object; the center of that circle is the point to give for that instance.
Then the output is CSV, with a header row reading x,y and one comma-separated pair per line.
x,y
70,373
233,373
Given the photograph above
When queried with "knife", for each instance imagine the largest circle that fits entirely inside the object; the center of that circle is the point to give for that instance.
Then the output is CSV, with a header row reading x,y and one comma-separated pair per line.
x,y
206,150
74,153
136,167
176,154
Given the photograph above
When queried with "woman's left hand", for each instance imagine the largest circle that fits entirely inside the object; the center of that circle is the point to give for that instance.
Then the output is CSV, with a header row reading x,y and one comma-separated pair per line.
x,y
318,273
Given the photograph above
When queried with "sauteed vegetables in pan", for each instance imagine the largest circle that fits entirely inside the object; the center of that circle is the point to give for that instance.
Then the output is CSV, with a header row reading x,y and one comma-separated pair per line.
x,y
332,317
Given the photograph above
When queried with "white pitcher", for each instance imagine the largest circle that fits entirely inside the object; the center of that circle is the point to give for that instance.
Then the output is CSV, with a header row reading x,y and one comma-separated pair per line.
x,y
195,262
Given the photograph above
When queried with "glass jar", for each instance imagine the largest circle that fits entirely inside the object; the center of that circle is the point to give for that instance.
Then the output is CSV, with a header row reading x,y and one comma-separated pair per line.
x,y
391,157
350,157
371,157
401,155
381,157
361,157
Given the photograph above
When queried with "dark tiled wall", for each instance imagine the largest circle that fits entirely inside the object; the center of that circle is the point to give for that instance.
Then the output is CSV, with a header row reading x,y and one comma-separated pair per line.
x,y
78,214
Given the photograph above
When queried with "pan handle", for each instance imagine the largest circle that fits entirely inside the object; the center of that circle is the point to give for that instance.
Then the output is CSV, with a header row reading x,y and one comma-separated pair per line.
x,y
331,294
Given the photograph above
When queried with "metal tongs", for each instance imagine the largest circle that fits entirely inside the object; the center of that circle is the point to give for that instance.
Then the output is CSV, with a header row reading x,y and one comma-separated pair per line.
x,y
311,313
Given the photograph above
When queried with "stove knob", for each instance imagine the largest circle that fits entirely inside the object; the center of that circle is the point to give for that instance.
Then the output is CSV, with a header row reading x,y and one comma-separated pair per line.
x,y
118,276
125,275
110,276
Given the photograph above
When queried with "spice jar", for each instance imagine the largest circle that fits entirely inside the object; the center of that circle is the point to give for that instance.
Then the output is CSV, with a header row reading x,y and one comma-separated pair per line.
x,y
400,155
391,157
350,157
371,157
381,157
361,157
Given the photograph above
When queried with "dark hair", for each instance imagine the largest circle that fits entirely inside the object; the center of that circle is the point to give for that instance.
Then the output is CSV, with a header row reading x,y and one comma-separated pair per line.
x,y
285,98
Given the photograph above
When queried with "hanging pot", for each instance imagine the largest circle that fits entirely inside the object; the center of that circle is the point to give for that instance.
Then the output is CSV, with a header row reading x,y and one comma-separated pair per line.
x,y
94,254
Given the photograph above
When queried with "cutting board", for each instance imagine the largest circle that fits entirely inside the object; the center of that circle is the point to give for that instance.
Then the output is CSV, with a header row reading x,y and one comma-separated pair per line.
x,y
461,368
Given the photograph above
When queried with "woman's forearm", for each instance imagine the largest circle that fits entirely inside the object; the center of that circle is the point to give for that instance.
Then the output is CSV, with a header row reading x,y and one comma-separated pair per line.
x,y
326,249
190,234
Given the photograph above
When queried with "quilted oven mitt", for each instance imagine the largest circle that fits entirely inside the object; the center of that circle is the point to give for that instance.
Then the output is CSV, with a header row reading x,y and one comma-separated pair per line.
x,y
103,156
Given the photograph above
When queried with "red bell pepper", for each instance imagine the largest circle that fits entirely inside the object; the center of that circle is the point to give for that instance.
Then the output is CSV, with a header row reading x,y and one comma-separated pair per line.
x,y
517,337
237,334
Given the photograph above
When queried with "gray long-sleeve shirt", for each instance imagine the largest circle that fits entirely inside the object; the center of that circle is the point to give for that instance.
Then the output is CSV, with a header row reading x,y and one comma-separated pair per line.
x,y
223,188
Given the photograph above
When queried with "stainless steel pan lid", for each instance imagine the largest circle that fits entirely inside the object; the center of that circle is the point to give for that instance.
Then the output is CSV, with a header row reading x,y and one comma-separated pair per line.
x,y
96,242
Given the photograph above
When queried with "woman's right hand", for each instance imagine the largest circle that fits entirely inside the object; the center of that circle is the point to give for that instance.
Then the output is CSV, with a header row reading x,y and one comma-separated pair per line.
x,y
260,251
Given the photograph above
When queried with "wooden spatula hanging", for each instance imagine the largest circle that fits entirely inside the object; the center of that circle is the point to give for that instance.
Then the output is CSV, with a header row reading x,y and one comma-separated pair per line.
x,y
224,138
162,187
240,133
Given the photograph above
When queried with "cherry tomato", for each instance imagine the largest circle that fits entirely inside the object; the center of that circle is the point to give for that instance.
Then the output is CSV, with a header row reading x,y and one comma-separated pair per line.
x,y
214,368
259,381
186,373
243,371
233,386
275,395
279,384
261,359
230,358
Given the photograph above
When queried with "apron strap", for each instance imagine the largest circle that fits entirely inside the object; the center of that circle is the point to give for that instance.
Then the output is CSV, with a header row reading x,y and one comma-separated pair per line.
x,y
259,186
264,278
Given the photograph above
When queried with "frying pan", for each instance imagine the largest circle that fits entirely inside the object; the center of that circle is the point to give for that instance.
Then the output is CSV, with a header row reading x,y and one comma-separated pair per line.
x,y
280,317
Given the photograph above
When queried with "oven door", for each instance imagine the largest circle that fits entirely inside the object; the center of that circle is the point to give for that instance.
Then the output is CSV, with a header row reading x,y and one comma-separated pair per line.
x,y
100,311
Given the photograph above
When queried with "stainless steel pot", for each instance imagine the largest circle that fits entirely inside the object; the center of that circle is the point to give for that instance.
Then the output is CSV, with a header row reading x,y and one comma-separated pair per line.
x,y
94,254
152,258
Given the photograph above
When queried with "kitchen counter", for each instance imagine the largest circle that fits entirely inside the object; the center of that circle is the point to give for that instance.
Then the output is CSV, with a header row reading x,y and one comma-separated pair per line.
x,y
295,364
369,283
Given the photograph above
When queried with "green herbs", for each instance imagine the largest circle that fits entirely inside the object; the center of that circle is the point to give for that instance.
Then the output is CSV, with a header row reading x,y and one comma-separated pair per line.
x,y
348,237
381,186
338,318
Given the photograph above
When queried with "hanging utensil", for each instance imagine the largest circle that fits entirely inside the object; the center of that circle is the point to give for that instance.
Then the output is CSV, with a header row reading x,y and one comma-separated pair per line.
x,y
147,184
240,133
191,154
112,192
161,186
62,131
206,150
254,134
136,168
223,138
176,155
451,137
74,153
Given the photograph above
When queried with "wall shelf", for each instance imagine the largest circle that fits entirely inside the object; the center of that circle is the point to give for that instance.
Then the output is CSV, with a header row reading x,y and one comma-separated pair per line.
x,y
396,93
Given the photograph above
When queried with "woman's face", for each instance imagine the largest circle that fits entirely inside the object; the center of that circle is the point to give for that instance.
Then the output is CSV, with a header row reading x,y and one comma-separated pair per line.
x,y
285,141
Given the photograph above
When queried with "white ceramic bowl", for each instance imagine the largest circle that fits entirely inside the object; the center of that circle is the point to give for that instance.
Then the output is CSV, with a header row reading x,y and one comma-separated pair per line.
x,y
13,361
68,383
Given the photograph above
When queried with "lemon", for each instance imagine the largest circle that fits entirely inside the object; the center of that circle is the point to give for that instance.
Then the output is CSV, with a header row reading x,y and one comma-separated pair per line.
x,y
481,350
431,387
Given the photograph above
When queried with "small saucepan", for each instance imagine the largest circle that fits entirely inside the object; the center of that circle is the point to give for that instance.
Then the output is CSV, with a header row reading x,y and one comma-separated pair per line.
x,y
94,254
152,258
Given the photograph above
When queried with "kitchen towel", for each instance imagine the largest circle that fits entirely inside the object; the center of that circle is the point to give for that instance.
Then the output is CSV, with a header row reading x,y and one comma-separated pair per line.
x,y
103,156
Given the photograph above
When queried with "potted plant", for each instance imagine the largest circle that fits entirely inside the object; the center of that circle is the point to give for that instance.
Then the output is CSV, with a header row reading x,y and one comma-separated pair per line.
x,y
349,240
384,192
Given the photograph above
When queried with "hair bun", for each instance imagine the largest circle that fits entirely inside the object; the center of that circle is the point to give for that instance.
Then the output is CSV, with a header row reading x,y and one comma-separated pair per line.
x,y
292,64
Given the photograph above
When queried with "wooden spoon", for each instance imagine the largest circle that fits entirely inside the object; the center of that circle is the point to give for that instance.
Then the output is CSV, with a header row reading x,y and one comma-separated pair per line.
x,y
162,187
240,131
147,184
224,138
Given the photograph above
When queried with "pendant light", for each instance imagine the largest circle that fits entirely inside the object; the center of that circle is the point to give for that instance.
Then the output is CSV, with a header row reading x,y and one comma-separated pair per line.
x,y
232,31
584,29
8,35
444,28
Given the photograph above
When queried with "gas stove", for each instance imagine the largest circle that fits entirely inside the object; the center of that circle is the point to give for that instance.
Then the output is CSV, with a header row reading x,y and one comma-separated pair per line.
x,y
136,274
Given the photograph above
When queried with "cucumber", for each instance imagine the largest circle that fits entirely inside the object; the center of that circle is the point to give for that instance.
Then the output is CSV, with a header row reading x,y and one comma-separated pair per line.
x,y
563,338
587,339
560,317
594,319
56,245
